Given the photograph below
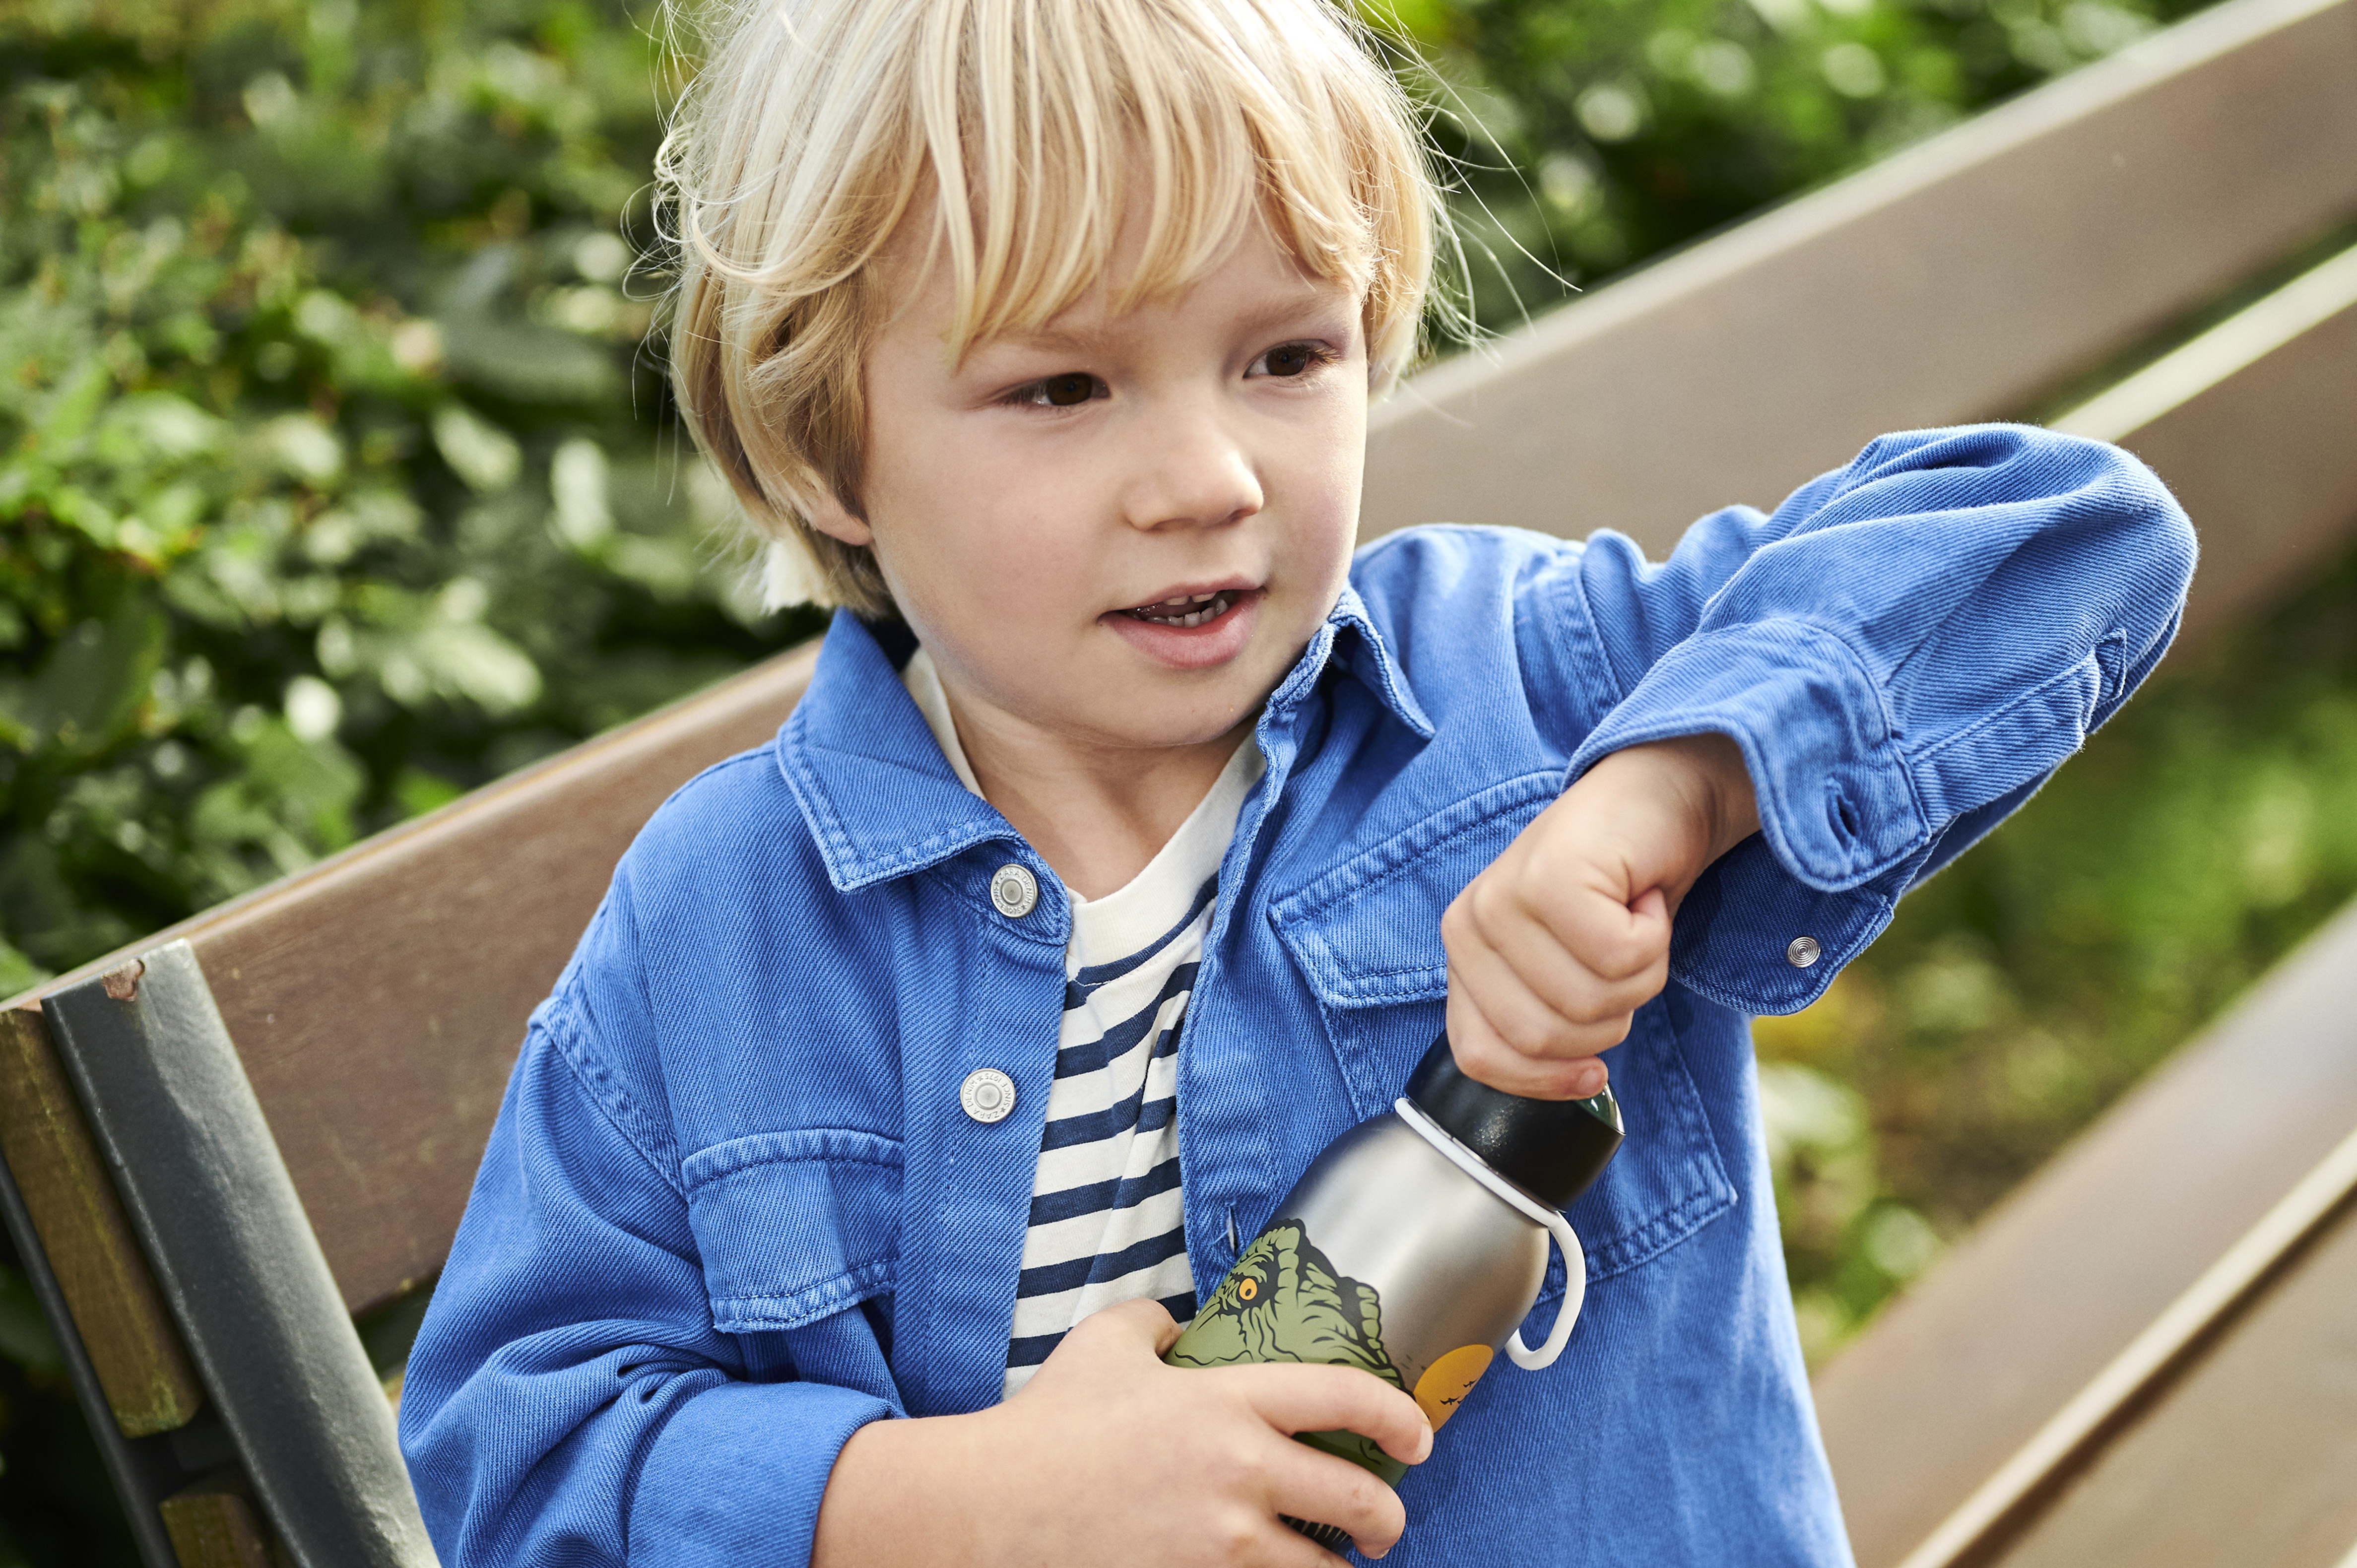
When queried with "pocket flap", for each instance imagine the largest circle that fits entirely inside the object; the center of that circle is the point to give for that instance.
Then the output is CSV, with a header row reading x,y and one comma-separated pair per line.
x,y
1367,934
794,1225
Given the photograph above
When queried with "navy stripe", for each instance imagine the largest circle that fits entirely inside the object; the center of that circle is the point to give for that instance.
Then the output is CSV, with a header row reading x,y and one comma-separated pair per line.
x,y
1030,1350
1048,1278
1091,1056
1122,1192
1150,1116
1076,989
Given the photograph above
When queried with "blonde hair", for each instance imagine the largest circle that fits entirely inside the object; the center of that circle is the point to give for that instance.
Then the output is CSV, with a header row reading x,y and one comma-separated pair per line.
x,y
1019,132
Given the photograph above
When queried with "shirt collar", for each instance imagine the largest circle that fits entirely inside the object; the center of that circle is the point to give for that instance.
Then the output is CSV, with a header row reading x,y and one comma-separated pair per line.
x,y
881,800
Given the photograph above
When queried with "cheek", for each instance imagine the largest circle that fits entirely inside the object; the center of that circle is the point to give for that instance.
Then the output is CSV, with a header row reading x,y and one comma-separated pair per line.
x,y
973,542
1326,466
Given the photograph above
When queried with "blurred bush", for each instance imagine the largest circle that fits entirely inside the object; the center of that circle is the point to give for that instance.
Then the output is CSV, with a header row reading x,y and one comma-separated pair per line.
x,y
1590,134
333,475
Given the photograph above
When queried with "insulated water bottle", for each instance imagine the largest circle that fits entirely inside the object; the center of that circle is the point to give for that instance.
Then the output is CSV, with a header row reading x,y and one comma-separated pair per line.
x,y
1414,1247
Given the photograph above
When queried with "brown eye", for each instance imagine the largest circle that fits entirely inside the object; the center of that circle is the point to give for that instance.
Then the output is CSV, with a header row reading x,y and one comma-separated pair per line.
x,y
1291,360
1067,389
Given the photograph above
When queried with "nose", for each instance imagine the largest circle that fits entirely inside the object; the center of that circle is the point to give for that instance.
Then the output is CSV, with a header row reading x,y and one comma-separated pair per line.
x,y
1189,470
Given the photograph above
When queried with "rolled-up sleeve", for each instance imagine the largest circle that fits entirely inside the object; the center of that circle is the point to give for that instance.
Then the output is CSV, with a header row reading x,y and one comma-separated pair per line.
x,y
1903,651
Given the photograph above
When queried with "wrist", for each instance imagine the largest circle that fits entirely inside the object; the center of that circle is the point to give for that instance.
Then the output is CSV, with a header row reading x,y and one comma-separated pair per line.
x,y
1701,779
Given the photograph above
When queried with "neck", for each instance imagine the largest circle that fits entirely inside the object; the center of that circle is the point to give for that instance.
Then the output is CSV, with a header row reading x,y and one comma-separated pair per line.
x,y
1096,813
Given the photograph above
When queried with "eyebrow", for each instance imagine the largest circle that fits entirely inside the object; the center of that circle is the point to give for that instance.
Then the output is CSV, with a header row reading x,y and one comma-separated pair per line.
x,y
1060,339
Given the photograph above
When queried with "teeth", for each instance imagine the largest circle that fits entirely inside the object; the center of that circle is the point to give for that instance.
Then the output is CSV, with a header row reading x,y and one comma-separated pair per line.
x,y
1199,609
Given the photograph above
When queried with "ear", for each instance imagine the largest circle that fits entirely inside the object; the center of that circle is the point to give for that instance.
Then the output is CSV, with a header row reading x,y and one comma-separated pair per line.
x,y
826,512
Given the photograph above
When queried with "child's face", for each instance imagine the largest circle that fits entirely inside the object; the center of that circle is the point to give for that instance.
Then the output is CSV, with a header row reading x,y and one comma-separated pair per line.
x,y
1036,509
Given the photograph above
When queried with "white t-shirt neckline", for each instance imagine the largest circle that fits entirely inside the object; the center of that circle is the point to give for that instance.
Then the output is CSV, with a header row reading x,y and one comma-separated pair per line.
x,y
1145,907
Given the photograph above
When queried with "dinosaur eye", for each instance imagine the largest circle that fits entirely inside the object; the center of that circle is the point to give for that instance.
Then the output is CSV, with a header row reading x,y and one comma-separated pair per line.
x,y
1247,1289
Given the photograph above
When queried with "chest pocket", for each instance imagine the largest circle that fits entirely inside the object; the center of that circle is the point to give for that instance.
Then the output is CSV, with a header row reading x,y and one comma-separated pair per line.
x,y
1366,936
794,1226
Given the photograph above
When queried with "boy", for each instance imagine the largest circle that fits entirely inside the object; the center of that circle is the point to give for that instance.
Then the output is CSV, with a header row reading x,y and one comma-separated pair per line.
x,y
853,1178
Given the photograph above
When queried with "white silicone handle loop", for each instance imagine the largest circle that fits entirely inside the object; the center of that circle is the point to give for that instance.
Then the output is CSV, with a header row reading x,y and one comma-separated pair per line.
x,y
1575,1256
1566,1312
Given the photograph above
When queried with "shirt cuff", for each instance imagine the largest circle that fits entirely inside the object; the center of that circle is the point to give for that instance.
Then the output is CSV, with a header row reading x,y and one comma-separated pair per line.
x,y
737,1475
1842,830
1753,937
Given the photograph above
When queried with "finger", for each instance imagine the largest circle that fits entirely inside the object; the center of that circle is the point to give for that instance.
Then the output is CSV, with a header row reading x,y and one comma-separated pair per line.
x,y
1580,947
1143,1323
1614,937
1537,1024
1522,1020
1293,1397
1566,999
1310,1484
1488,1061
1491,1060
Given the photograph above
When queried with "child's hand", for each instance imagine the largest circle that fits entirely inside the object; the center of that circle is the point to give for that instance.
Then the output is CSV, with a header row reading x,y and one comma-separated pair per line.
x,y
1567,933
1107,1456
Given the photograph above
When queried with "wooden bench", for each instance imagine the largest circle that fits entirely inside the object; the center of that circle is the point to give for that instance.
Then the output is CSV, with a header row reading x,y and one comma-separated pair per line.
x,y
237,1151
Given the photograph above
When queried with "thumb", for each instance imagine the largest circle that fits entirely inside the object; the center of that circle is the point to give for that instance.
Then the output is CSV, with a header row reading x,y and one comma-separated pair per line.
x,y
1145,1322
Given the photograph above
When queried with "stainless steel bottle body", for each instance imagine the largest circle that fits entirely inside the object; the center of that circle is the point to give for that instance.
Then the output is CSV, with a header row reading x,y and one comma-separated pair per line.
x,y
1451,1263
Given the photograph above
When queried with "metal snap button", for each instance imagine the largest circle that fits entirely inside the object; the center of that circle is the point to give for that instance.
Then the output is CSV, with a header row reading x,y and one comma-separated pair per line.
x,y
1014,890
1803,952
987,1095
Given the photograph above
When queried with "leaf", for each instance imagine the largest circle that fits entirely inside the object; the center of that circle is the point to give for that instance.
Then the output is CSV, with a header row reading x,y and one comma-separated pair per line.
x,y
152,426
486,457
528,363
306,449
88,689
18,973
73,405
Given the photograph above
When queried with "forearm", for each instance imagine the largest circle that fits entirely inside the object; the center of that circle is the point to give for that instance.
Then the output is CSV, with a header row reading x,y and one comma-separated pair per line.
x,y
901,1495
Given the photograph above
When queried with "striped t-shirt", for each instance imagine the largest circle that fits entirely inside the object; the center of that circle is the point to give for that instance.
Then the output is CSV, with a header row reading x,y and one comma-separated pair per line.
x,y
1106,1222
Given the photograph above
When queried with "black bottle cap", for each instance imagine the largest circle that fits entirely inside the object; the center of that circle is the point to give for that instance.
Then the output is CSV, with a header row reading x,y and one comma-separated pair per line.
x,y
1552,1149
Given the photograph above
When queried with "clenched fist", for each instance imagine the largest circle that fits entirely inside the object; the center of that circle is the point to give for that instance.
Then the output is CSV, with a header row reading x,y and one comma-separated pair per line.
x,y
1556,945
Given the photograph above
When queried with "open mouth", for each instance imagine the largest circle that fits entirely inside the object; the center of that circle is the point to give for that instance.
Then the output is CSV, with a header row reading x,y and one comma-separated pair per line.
x,y
1189,612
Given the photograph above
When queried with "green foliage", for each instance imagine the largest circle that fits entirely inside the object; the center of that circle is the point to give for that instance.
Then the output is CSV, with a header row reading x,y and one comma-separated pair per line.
x,y
333,479
1592,135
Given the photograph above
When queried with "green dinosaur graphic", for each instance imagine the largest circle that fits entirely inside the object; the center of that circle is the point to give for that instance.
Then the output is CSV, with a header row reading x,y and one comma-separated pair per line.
x,y
1284,1302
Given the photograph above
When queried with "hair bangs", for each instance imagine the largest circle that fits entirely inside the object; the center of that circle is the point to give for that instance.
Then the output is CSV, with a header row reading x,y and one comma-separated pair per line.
x,y
1053,126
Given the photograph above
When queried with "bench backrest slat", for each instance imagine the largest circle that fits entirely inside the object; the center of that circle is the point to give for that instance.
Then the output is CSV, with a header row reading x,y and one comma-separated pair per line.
x,y
378,999
2247,1455
1958,280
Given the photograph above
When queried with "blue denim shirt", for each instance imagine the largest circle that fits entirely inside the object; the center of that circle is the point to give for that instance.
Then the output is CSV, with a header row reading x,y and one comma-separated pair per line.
x,y
731,1209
